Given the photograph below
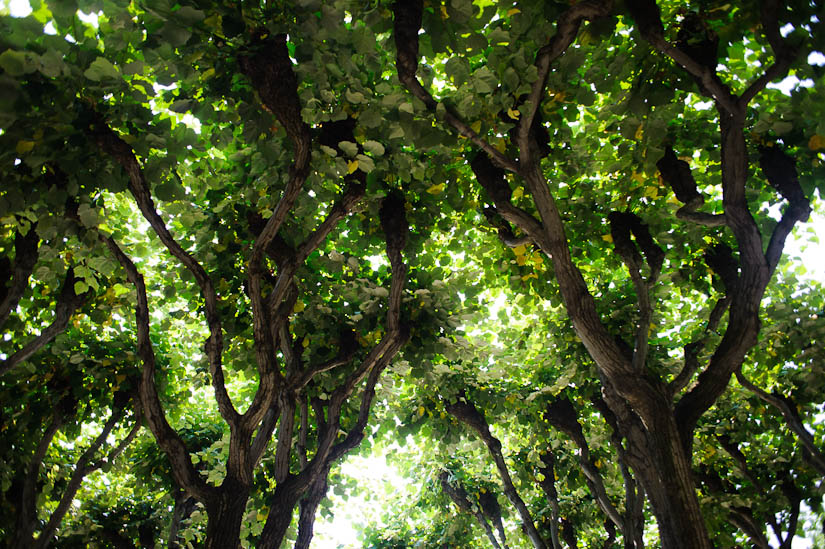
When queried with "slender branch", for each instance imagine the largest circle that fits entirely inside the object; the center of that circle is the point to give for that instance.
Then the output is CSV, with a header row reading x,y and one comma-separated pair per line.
x,y
647,15
25,257
308,506
567,28
562,415
468,414
794,422
167,438
303,432
83,467
461,498
284,292
67,303
783,52
406,26
263,436
111,143
27,512
548,486
693,349
283,451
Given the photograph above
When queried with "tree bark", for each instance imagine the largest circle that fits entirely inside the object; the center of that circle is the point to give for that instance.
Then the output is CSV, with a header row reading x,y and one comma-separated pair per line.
x,y
226,511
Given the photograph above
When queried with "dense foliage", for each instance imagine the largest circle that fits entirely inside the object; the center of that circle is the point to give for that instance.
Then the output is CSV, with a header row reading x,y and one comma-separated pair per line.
x,y
532,249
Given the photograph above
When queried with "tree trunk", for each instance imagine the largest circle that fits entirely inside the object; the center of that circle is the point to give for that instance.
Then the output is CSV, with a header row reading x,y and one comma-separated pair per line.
x,y
284,500
226,512
659,458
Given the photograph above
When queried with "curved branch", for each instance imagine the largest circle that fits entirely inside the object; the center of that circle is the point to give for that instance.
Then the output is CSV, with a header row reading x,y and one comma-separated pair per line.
x,y
111,143
567,28
406,26
647,15
466,412
461,498
784,53
83,467
788,410
167,438
25,257
562,415
67,303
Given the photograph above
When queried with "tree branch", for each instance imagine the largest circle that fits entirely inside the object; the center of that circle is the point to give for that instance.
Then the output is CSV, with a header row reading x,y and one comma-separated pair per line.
x,y
788,409
567,28
111,143
466,412
461,498
783,52
25,257
27,512
647,15
548,486
67,303
406,26
693,349
83,467
167,438
561,415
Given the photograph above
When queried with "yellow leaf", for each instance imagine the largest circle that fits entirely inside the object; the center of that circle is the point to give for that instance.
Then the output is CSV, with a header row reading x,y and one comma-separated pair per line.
x,y
299,306
527,277
208,74
305,342
540,477
521,260
24,146
639,132
421,410
555,474
513,11
436,189
482,490
120,378
537,259
518,193
476,126
514,114
638,177
352,165
607,237
651,192
444,11
520,250
500,145
816,142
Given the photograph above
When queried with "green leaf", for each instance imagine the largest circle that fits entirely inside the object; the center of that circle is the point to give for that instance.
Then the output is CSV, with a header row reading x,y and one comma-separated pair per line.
x,y
365,163
17,63
349,148
101,69
484,81
88,216
374,147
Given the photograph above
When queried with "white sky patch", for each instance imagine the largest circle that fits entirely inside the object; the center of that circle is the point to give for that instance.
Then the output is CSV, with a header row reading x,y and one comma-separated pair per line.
x,y
790,83
17,8
357,510
816,58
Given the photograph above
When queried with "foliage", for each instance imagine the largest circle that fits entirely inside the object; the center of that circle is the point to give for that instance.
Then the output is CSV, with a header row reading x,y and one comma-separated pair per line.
x,y
276,229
